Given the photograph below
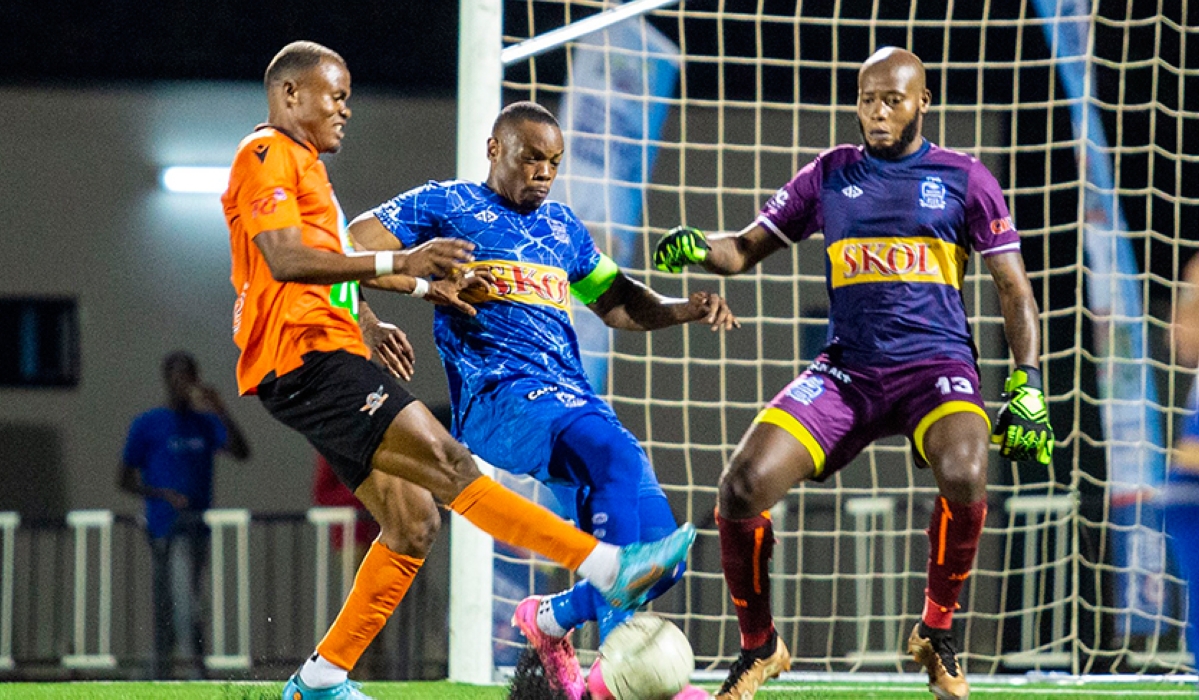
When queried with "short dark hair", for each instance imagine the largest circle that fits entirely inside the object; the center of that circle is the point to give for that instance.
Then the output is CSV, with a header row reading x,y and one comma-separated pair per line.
x,y
523,112
298,58
181,359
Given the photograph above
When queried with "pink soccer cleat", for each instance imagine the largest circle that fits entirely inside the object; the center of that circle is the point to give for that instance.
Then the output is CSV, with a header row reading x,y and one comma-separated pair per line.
x,y
595,683
557,654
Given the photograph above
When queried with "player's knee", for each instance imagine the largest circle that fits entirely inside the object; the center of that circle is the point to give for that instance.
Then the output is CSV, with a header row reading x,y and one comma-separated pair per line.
x,y
962,475
410,529
422,532
739,492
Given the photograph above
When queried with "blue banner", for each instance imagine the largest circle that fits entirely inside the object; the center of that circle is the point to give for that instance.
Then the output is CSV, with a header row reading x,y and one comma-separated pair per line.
x,y
616,101
1131,416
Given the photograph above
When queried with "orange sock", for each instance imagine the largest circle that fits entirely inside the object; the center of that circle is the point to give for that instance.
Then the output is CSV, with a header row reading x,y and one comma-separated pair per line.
x,y
382,580
511,518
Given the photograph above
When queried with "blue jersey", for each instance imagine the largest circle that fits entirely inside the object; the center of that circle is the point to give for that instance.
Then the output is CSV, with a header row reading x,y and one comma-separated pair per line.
x,y
174,451
516,364
897,236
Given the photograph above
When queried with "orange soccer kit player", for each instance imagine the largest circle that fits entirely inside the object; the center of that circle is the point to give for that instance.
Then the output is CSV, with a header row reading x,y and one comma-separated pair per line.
x,y
303,355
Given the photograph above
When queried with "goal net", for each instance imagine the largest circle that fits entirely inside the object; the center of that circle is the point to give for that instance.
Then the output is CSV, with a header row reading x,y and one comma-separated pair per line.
x,y
1088,115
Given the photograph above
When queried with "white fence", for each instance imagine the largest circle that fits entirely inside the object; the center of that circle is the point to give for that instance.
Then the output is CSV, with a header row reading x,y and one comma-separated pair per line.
x,y
75,597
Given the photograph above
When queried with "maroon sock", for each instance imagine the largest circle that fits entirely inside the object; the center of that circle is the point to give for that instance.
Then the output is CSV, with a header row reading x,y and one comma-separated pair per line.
x,y
953,535
745,549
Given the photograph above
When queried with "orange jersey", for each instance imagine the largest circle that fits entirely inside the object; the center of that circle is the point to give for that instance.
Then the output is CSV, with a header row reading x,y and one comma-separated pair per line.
x,y
278,182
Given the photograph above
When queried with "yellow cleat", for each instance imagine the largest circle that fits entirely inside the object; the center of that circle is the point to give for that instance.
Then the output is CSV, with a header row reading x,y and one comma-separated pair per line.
x,y
934,649
749,673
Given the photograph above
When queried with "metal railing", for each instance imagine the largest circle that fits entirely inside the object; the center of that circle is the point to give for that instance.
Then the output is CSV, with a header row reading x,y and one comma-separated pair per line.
x,y
75,597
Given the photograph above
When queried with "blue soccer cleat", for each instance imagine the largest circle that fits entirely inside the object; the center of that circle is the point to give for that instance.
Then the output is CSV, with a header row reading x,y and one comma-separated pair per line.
x,y
347,690
643,563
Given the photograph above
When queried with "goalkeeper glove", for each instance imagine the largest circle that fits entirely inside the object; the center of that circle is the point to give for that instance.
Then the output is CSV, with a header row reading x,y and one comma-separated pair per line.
x,y
682,246
1022,428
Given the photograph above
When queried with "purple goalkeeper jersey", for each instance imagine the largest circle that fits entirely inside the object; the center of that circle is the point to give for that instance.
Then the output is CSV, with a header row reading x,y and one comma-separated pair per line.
x,y
898,236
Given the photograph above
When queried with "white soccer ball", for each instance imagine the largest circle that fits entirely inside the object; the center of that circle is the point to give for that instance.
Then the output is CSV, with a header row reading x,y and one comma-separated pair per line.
x,y
646,658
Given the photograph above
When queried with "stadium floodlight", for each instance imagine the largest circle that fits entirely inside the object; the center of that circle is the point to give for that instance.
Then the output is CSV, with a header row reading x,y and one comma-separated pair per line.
x,y
192,179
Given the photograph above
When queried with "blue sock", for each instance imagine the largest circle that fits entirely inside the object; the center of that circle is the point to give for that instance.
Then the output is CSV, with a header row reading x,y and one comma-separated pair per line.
x,y
599,454
583,602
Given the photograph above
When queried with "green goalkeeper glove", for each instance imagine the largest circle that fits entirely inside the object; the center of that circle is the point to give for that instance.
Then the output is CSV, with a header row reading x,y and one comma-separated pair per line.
x,y
682,246
1022,428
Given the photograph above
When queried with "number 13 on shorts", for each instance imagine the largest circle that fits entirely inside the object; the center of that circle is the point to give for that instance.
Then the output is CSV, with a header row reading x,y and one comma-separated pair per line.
x,y
949,385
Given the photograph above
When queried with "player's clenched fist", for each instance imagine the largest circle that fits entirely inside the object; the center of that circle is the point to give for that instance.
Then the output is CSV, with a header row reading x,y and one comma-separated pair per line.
x,y
1022,428
682,246
435,258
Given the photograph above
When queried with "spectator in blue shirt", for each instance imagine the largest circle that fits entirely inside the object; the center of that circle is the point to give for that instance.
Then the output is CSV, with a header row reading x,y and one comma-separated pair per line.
x,y
168,461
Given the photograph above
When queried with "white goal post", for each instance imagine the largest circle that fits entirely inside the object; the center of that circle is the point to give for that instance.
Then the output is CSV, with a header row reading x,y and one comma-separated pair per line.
x,y
1086,113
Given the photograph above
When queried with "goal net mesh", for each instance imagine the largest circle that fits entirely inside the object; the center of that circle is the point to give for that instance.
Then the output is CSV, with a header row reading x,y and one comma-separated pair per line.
x,y
698,112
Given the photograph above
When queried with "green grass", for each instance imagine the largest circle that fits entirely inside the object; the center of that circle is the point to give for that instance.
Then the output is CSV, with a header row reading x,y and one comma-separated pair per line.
x,y
452,691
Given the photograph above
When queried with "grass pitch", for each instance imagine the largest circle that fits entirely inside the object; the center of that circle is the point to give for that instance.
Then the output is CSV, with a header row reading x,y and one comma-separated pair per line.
x,y
452,691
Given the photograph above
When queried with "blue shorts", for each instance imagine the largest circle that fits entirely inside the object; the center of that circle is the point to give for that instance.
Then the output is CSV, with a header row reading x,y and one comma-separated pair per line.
x,y
835,410
516,425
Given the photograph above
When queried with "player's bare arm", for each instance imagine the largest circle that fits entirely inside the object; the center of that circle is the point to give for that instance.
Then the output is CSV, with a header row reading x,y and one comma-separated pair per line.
x,y
453,289
292,261
388,342
630,305
1022,429
1019,307
721,254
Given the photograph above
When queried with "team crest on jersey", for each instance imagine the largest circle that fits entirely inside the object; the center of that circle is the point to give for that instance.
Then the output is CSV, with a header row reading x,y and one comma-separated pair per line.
x,y
932,193
486,216
808,390
853,191
559,230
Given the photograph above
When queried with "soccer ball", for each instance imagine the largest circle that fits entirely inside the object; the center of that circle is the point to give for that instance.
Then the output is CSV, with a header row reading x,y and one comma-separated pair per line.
x,y
646,658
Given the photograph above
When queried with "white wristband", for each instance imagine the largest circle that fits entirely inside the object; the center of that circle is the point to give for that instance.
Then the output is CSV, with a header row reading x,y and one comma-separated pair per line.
x,y
421,288
384,263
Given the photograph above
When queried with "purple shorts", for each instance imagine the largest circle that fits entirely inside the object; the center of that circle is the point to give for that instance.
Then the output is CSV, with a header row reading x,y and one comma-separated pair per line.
x,y
836,411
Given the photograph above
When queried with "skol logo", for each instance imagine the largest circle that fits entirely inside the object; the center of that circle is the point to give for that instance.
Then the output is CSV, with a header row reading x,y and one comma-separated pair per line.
x,y
865,260
528,283
888,259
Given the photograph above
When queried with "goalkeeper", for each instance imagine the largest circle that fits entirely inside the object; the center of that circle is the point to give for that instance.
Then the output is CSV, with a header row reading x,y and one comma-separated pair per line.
x,y
520,397
899,217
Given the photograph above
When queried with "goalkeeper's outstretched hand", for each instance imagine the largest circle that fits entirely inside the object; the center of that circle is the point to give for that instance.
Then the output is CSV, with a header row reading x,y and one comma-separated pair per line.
x,y
682,246
1022,428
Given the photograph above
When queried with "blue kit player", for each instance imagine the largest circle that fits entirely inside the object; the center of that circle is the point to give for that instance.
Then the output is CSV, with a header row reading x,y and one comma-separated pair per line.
x,y
520,397
1181,495
899,217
